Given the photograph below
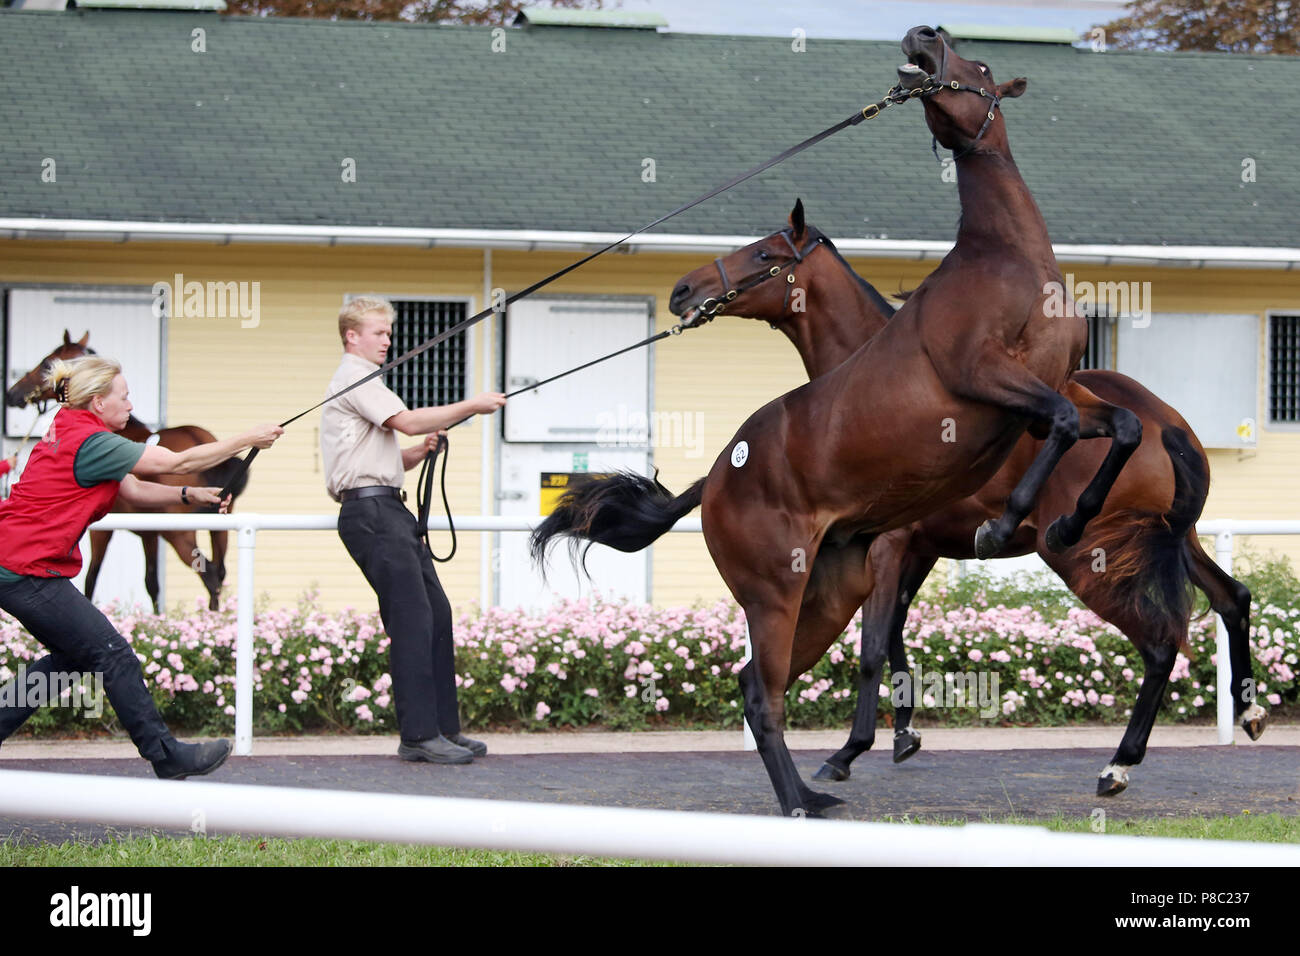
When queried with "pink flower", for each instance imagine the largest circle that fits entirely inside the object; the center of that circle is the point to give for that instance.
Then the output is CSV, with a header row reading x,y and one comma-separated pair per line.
x,y
661,704
591,692
542,710
509,682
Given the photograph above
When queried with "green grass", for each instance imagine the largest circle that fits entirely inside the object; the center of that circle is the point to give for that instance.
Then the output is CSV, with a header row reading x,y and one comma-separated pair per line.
x,y
241,851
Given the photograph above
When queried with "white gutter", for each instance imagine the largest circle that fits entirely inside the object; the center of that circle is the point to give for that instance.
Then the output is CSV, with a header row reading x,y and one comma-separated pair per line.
x,y
1196,257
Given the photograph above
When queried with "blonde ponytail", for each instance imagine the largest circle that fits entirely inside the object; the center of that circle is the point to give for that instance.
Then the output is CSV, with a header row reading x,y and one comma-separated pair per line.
x,y
75,383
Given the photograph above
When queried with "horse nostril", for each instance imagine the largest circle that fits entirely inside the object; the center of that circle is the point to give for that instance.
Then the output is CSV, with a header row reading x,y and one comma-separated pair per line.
x,y
682,291
927,33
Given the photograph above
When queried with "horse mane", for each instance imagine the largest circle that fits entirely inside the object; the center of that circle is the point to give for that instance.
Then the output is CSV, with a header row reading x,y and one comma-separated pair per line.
x,y
872,292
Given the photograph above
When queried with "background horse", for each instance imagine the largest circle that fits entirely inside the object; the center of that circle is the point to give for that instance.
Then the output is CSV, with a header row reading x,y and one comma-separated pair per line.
x,y
863,450
31,389
1152,557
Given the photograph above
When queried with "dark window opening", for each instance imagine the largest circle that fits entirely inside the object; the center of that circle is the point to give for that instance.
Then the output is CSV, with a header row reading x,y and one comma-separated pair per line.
x,y
1284,368
435,377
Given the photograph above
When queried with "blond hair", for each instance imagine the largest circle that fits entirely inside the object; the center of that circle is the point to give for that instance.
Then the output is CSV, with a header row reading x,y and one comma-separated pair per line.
x,y
355,309
85,377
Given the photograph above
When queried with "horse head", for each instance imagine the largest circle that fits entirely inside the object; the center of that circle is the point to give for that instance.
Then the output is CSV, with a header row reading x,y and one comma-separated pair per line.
x,y
961,98
31,387
756,281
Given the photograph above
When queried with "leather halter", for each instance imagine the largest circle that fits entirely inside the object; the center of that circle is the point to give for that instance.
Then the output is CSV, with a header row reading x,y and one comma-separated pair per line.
x,y
934,83
715,304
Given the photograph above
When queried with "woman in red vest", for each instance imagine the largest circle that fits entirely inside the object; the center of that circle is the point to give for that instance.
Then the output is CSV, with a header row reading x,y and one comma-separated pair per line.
x,y
71,479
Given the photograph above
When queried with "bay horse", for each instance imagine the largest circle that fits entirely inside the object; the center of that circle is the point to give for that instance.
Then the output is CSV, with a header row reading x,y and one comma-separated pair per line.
x,y
31,389
1151,556
919,417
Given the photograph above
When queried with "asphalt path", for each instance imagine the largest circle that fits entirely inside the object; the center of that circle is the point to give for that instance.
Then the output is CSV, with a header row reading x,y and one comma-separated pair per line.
x,y
965,784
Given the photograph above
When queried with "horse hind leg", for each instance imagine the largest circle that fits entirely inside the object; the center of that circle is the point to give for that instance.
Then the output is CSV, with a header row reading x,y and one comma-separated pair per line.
x,y
1230,599
98,547
149,540
762,684
220,541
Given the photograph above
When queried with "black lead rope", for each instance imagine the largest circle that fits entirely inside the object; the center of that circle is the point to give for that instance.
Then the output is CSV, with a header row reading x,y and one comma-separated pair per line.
x,y
895,95
424,485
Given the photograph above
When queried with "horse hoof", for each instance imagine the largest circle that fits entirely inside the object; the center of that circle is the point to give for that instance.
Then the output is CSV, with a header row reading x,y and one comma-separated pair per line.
x,y
1056,538
1254,720
906,743
829,771
987,543
818,804
1113,780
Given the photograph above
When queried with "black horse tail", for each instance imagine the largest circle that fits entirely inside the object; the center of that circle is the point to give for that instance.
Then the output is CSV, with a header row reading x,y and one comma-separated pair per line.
x,y
625,511
1145,557
222,472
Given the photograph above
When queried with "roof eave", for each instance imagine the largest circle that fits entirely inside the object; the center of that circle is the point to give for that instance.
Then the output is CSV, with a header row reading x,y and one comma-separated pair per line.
x,y
1225,257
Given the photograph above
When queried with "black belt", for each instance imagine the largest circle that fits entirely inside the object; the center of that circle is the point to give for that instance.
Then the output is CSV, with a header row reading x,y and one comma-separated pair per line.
x,y
372,491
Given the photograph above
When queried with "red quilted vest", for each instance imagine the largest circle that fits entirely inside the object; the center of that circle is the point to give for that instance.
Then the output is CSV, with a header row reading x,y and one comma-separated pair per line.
x,y
43,520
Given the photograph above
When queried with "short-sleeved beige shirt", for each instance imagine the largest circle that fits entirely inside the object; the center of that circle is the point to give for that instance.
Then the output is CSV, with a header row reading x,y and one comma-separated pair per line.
x,y
356,448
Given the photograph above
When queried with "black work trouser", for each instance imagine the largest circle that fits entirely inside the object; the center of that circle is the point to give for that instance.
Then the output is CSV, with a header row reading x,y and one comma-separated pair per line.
x,y
384,540
82,639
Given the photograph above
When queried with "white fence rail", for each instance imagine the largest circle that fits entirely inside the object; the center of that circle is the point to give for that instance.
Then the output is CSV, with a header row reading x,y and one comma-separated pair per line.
x,y
247,525
599,831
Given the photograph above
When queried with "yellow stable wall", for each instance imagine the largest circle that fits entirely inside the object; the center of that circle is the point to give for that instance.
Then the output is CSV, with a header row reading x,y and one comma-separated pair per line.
x,y
226,378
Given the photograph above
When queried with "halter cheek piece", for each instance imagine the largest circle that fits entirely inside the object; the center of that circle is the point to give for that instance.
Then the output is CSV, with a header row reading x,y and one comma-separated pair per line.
x,y
933,84
715,304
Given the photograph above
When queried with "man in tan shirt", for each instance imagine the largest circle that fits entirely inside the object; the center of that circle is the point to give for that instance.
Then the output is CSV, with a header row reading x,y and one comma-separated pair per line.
x,y
364,465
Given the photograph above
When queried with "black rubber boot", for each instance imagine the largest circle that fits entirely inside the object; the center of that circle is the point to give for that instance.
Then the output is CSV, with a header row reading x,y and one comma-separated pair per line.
x,y
191,760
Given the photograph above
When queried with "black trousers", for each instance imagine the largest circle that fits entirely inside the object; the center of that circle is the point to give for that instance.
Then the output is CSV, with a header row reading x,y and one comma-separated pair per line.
x,y
384,540
81,639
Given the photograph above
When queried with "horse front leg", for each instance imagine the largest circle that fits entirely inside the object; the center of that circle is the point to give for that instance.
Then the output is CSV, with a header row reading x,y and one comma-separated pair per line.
x,y
1097,419
996,379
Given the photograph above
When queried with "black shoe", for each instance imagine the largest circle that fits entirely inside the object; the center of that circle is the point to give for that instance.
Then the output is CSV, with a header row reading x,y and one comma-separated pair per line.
x,y
476,747
434,750
191,760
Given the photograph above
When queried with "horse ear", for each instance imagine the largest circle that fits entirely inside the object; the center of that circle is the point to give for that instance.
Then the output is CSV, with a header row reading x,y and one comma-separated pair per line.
x,y
67,339
85,338
1012,88
796,218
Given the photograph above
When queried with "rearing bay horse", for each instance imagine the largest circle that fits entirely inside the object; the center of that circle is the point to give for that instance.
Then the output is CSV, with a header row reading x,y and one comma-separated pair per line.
x,y
1146,528
975,354
31,389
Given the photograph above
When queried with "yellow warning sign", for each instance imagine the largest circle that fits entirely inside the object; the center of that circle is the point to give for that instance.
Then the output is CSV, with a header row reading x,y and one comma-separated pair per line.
x,y
556,483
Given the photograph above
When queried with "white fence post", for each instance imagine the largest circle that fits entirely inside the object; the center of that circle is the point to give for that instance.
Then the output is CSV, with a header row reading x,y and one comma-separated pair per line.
x,y
1224,690
244,641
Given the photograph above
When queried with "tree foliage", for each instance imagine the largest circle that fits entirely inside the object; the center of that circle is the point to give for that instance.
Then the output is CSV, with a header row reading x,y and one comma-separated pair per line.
x,y
489,12
1227,26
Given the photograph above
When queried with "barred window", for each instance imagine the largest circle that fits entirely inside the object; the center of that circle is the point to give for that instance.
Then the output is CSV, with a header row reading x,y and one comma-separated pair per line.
x,y
1284,368
1100,353
435,377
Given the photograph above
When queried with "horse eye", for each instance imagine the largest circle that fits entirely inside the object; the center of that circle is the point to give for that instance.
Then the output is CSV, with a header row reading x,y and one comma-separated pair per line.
x,y
762,255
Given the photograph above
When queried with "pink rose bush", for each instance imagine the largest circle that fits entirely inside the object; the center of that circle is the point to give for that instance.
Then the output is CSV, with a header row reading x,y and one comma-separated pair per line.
x,y
628,666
